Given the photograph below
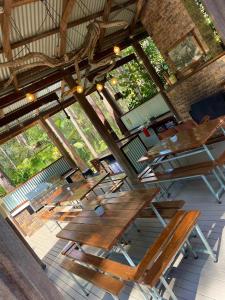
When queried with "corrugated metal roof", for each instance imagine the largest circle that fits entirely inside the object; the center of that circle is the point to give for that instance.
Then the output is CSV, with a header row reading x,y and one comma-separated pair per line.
x,y
124,14
86,7
32,19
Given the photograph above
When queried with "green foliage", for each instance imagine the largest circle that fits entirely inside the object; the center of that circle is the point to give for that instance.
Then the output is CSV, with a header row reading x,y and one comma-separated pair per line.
x,y
134,81
2,192
26,155
22,160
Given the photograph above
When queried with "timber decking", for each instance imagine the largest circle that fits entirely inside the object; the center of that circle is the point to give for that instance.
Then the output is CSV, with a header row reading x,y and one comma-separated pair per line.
x,y
199,279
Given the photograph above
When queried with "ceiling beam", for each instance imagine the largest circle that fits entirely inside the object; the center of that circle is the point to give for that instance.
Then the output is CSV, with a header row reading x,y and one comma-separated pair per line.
x,y
69,25
105,18
30,107
22,2
58,75
139,7
67,10
15,130
6,26
26,109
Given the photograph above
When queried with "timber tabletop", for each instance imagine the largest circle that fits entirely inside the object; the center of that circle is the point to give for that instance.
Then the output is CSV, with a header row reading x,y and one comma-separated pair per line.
x,y
186,139
79,189
104,232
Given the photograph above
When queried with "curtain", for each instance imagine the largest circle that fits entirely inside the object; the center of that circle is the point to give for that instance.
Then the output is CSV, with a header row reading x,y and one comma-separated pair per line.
x,y
216,10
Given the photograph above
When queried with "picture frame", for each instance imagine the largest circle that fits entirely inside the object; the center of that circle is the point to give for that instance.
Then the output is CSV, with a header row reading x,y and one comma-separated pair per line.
x,y
186,52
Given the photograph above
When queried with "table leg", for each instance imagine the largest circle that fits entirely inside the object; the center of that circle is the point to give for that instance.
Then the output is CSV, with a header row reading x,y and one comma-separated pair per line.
x,y
126,255
214,172
205,243
79,284
168,288
208,152
161,220
223,130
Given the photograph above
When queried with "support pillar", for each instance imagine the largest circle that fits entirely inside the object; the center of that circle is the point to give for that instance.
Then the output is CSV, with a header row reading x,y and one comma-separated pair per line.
x,y
65,143
73,119
153,74
21,277
57,142
117,111
5,181
102,118
106,136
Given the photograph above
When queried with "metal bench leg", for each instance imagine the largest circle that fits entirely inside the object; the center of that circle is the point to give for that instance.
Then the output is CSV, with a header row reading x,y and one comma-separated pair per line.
x,y
205,242
58,224
168,288
218,179
162,187
211,188
136,227
126,255
145,294
114,297
161,220
80,285
191,249
221,173
156,294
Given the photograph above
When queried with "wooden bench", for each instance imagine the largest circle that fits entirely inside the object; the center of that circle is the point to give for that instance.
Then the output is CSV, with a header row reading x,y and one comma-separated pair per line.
x,y
166,209
150,270
59,216
116,187
105,282
200,170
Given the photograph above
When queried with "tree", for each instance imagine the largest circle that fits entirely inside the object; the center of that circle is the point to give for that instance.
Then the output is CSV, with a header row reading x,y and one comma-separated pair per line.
x,y
134,81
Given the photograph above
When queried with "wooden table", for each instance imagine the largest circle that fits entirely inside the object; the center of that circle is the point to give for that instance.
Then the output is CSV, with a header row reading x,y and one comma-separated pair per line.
x,y
77,191
106,231
187,140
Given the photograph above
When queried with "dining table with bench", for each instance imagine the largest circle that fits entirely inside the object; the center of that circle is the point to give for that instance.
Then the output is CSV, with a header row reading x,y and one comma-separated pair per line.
x,y
187,143
107,233
75,193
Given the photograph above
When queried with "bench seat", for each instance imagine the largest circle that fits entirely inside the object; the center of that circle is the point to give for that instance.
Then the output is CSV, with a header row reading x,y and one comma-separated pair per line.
x,y
178,173
107,283
59,216
158,258
166,209
116,186
180,235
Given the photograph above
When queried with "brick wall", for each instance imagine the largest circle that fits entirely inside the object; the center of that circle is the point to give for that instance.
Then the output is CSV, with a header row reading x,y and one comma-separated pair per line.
x,y
167,22
204,29
202,83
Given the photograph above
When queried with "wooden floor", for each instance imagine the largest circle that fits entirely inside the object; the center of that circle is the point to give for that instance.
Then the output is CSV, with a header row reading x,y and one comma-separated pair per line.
x,y
199,279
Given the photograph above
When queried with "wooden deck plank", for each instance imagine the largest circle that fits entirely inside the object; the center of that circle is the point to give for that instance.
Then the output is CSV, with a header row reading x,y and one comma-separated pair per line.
x,y
199,279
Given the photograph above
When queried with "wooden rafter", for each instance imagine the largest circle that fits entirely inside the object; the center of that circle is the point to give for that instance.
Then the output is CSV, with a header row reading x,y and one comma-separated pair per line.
x,y
26,109
139,7
67,10
69,25
5,26
21,2
105,18
57,75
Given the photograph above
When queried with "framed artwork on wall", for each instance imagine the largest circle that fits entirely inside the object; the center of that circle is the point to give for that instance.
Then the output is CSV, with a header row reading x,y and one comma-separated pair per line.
x,y
186,52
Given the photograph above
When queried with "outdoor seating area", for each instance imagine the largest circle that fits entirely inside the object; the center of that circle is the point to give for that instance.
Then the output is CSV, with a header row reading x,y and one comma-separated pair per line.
x,y
112,149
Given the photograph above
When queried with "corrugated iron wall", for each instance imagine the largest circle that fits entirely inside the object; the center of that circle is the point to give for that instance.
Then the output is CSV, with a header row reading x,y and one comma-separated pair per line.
x,y
19,195
134,150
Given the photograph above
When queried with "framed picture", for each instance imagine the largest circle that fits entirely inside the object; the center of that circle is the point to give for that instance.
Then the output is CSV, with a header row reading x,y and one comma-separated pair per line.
x,y
186,52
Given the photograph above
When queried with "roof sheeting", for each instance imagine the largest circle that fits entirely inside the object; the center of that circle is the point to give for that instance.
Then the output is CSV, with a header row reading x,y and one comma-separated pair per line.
x,y
32,19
